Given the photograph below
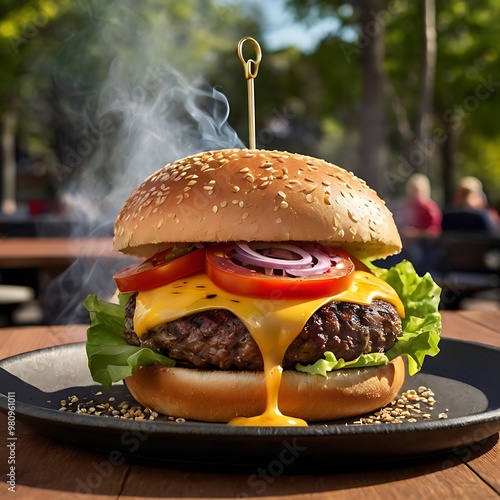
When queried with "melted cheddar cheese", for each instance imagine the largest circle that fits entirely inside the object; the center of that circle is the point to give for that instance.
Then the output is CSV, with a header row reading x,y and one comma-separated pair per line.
x,y
273,323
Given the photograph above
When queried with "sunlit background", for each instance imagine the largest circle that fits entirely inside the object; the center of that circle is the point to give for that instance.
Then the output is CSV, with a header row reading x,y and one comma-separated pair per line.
x,y
96,95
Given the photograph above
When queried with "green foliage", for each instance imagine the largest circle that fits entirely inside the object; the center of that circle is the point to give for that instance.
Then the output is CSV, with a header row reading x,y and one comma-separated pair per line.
x,y
56,55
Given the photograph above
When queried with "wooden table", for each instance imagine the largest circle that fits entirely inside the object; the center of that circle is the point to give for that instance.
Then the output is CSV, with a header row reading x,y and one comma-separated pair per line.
x,y
49,469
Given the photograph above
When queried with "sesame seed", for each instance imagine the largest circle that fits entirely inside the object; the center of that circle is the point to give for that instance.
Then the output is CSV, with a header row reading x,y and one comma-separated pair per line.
x,y
215,209
309,198
407,408
235,189
223,204
244,216
352,216
279,220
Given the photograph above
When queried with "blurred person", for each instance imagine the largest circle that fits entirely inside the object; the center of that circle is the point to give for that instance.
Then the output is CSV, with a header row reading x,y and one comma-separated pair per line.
x,y
469,210
422,216
420,224
469,193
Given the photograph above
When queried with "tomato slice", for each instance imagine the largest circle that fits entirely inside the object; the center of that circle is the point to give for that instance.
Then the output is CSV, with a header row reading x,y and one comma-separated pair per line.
x,y
159,270
240,280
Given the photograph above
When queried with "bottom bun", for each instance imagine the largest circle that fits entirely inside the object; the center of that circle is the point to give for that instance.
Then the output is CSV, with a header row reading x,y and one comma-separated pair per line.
x,y
219,396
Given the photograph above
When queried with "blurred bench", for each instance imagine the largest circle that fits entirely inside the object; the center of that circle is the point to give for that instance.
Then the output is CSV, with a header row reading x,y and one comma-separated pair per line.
x,y
469,264
11,297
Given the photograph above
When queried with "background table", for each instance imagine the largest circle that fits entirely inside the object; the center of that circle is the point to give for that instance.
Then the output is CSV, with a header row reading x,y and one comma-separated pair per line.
x,y
49,469
36,262
52,252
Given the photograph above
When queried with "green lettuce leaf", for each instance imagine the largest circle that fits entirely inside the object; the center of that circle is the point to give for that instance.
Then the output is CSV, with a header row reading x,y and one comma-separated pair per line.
x,y
110,357
422,323
330,362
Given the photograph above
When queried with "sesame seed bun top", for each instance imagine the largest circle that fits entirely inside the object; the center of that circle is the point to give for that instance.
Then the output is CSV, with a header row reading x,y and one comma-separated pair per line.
x,y
255,195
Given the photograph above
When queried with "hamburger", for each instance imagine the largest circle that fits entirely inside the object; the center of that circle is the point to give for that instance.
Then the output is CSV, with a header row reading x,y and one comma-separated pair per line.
x,y
256,301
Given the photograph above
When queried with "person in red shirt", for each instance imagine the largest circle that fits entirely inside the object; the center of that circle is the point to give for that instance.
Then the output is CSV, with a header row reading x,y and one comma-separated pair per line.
x,y
420,224
422,215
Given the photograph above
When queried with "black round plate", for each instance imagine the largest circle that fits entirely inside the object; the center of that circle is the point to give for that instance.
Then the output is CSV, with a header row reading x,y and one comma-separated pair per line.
x,y
464,377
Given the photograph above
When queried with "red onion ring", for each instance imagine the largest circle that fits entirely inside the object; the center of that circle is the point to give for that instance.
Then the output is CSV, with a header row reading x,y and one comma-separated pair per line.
x,y
248,255
322,265
280,256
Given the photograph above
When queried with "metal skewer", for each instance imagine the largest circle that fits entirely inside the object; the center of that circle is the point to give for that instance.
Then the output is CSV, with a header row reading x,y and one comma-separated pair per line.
x,y
251,69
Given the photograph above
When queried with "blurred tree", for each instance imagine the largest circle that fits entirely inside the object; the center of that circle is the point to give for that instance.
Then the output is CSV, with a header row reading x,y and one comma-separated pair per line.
x,y
467,92
417,136
464,125
58,55
437,66
368,22
364,19
22,25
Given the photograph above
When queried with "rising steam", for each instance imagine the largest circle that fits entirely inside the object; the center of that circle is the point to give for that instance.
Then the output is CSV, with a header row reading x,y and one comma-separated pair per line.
x,y
143,115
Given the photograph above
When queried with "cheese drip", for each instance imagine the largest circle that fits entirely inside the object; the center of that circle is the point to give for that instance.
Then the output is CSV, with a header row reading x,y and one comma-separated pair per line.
x,y
273,323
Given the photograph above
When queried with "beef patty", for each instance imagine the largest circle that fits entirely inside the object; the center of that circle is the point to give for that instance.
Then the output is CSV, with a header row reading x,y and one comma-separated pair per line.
x,y
218,339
